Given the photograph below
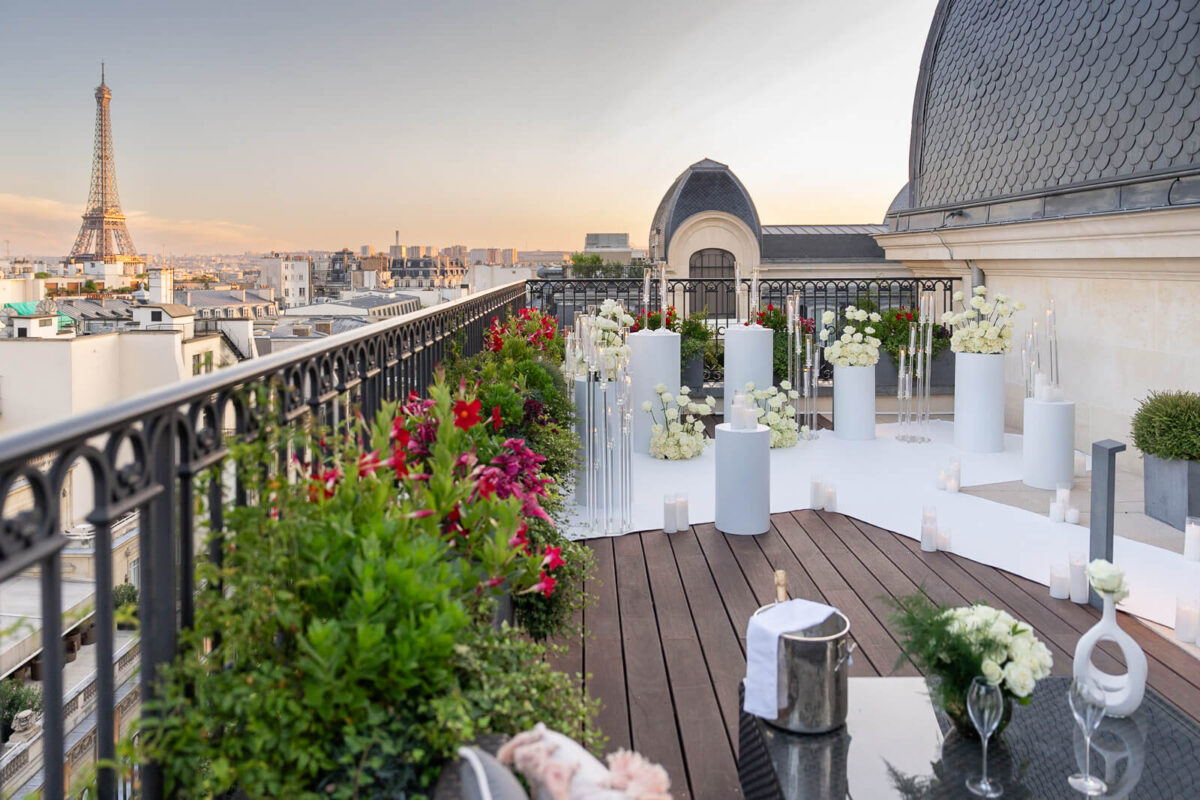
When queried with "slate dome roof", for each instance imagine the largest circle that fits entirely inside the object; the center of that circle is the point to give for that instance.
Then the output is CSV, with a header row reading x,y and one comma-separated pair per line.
x,y
1026,97
706,185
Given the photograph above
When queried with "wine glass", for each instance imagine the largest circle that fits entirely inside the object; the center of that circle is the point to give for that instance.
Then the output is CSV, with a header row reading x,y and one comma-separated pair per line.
x,y
1087,704
985,706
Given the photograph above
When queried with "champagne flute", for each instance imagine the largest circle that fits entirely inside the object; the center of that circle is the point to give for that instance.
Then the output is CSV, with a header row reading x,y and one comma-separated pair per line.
x,y
985,706
1087,704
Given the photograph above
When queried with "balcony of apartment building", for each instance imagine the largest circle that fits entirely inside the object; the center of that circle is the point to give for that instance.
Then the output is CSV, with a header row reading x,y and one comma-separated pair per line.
x,y
355,556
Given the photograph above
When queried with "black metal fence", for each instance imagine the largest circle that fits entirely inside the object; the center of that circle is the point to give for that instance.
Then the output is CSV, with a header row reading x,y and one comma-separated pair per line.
x,y
142,456
566,297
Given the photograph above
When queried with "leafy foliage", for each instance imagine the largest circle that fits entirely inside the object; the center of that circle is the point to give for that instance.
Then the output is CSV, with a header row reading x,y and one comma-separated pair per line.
x,y
776,319
16,697
928,641
125,597
893,331
1167,425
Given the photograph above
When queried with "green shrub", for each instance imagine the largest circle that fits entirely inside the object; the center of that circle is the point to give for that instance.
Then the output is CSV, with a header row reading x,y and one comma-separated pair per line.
x,y
1167,425
125,599
16,697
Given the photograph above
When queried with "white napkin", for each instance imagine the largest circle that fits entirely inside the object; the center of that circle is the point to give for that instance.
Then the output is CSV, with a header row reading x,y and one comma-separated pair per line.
x,y
762,651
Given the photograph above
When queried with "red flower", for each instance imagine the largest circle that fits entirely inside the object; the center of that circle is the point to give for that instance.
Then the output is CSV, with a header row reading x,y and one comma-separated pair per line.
x,y
770,307
368,463
519,539
496,421
399,433
466,415
552,558
545,585
398,461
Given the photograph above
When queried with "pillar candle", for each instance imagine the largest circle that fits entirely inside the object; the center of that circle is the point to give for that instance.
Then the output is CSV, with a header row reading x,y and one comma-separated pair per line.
x,y
1080,465
816,497
1187,620
943,539
955,470
1058,512
1079,581
1073,515
668,514
1191,539
952,485
929,536
941,479
1063,494
830,498
1060,582
682,518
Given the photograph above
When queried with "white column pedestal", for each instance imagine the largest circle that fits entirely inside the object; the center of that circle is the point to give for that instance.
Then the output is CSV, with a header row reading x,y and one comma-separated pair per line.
x,y
979,402
749,351
1048,444
743,480
653,359
854,402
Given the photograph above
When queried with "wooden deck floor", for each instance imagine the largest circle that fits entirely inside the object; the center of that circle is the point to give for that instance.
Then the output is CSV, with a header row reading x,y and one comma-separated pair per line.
x,y
665,640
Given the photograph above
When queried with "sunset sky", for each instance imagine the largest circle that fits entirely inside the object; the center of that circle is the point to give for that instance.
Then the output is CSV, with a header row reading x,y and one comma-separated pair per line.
x,y
526,123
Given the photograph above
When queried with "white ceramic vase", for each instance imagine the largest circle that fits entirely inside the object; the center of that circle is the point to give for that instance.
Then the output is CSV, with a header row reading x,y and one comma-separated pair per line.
x,y
1122,693
854,402
979,402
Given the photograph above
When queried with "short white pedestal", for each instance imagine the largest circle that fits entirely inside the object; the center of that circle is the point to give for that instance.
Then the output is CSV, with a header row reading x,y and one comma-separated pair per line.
x,y
607,413
653,359
1048,444
979,402
854,402
749,351
743,478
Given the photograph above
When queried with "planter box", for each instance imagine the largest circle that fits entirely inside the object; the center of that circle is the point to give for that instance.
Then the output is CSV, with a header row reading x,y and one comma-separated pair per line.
x,y
1172,490
941,378
692,375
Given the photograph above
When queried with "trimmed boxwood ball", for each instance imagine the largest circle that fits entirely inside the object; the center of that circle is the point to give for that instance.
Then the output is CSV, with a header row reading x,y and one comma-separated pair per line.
x,y
1167,425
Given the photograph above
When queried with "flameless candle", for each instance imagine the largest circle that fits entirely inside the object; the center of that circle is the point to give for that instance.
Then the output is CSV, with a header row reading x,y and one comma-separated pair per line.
x,y
1191,539
929,513
955,470
681,513
668,514
1073,515
1060,582
1187,620
929,536
830,499
816,497
1058,512
941,479
1080,465
1063,494
1079,581
951,485
943,539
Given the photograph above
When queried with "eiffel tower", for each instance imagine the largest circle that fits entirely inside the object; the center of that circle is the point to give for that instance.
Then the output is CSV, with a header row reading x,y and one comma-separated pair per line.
x,y
103,236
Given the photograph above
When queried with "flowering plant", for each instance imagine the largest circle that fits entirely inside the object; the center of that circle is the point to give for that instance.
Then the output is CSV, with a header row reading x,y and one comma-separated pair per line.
x,y
981,325
776,319
680,434
1107,579
894,332
957,645
652,320
857,345
770,402
538,330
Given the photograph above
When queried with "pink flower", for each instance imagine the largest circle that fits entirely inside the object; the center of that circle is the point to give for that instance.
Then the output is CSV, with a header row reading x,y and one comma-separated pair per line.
x,y
552,558
368,463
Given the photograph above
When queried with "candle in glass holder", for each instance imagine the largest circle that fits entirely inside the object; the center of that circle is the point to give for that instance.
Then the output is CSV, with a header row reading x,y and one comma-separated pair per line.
x,y
669,514
816,497
830,498
1080,465
1079,581
1072,515
929,535
1187,619
941,479
952,485
955,470
1058,512
682,523
1191,539
1060,582
1063,494
943,539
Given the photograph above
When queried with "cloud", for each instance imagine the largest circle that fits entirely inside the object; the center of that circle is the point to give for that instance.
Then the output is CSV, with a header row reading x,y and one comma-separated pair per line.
x,y
43,227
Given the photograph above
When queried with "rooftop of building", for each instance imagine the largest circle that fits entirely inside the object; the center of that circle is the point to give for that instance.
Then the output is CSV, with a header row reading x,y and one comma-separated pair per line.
x,y
174,310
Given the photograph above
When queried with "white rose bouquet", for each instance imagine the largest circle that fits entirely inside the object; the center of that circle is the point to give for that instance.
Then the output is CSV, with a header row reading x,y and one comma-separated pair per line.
x,y
981,325
959,644
1107,579
774,411
677,433
856,344
609,323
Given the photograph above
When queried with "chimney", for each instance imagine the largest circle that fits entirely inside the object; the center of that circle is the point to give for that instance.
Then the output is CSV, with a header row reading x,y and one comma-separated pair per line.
x,y
397,238
301,330
326,326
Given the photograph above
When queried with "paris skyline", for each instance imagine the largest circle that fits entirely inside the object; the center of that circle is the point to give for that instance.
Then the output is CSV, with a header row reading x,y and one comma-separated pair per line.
x,y
249,128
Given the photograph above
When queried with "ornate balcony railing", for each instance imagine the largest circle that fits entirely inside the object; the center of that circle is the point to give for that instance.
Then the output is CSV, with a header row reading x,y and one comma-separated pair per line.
x,y
566,297
143,456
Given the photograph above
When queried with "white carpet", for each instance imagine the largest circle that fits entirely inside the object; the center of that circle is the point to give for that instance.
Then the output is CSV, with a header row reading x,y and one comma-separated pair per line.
x,y
886,483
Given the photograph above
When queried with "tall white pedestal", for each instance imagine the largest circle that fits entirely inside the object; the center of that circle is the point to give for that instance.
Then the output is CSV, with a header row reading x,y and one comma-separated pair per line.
x,y
979,402
743,480
1048,444
749,351
653,359
854,402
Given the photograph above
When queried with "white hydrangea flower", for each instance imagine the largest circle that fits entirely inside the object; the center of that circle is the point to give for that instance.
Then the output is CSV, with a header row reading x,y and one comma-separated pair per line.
x,y
646,406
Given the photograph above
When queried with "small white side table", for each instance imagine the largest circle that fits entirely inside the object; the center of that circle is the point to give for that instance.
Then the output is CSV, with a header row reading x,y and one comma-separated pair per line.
x,y
1048,443
743,478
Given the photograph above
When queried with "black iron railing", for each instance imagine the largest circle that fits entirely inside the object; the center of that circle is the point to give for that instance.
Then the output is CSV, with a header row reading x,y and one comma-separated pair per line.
x,y
566,297
143,455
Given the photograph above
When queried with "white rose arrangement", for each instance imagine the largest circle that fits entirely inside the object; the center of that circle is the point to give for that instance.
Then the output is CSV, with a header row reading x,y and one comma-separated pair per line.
x,y
609,322
856,344
1107,579
981,325
770,405
679,434
1012,656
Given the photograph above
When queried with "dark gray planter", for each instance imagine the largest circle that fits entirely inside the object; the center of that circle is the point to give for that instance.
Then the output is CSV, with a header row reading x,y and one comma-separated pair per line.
x,y
1172,490
692,374
503,612
941,378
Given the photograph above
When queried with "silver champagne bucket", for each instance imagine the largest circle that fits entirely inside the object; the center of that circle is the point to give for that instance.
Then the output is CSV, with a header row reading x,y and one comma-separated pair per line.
x,y
813,667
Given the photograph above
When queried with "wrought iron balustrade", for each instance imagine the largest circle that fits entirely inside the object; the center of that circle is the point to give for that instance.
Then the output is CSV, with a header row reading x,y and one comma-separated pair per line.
x,y
566,297
143,455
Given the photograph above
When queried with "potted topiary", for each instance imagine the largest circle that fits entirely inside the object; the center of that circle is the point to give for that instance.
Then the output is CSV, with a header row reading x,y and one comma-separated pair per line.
x,y
695,335
1166,428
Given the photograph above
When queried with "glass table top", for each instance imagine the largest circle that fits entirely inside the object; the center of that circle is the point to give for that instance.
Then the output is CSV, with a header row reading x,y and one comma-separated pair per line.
x,y
895,745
